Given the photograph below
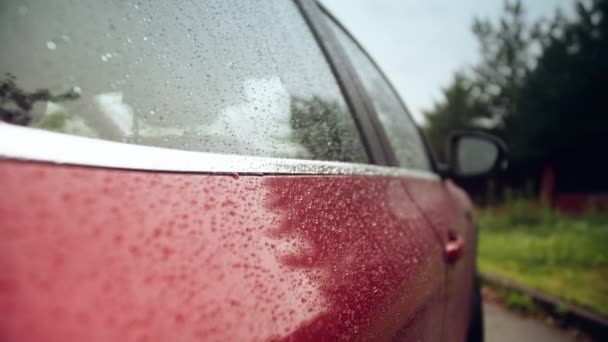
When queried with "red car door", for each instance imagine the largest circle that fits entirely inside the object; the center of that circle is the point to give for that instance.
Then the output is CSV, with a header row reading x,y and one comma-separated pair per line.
x,y
224,227
451,212
92,253
445,207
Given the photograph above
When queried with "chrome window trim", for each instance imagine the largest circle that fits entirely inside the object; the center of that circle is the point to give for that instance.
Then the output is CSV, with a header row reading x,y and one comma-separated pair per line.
x,y
32,144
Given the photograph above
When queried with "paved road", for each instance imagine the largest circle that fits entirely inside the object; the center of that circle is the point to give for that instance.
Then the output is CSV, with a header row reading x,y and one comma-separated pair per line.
x,y
503,325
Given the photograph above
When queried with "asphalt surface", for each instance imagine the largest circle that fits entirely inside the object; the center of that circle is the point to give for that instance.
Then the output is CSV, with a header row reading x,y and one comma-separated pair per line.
x,y
503,325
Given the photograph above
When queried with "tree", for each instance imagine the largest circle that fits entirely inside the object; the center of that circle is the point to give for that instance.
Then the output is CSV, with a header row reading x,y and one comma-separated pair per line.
x,y
538,85
562,111
507,57
458,110
541,86
486,96
16,104
322,126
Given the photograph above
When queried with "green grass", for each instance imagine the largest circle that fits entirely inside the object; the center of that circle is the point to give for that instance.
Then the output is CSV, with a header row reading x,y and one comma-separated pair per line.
x,y
560,255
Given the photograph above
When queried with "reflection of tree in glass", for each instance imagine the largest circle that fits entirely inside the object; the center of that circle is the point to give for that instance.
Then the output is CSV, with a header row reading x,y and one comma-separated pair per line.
x,y
323,127
16,104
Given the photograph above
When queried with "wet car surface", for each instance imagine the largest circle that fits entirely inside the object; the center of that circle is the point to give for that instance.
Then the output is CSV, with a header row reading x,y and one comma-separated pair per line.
x,y
173,256
293,199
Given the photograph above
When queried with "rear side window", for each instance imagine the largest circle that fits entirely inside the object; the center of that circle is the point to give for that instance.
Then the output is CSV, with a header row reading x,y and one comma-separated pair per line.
x,y
238,77
400,129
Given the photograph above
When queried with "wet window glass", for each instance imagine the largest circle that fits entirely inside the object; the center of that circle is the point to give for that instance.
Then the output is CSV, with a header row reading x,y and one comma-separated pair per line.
x,y
223,76
400,129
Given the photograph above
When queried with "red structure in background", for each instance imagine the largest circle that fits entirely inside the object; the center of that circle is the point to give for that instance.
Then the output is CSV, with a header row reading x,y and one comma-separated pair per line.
x,y
576,203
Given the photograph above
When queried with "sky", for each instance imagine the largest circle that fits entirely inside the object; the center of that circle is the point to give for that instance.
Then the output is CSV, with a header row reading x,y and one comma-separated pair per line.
x,y
419,44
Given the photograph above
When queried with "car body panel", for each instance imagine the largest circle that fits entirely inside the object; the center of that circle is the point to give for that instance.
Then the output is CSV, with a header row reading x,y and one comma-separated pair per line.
x,y
450,211
103,254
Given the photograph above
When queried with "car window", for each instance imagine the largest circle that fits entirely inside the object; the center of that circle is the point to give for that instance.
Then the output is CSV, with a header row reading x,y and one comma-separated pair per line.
x,y
400,129
223,76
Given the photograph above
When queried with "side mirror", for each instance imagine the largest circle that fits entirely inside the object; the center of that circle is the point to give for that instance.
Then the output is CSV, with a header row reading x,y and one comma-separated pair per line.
x,y
473,154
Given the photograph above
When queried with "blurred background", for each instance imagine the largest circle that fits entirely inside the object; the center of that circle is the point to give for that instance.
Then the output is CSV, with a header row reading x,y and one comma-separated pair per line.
x,y
535,74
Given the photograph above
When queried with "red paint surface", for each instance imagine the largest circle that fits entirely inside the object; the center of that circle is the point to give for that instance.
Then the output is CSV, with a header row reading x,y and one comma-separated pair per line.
x,y
100,255
450,210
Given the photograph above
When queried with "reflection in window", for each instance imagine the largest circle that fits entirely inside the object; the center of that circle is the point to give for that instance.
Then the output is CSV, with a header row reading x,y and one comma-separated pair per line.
x,y
218,76
317,119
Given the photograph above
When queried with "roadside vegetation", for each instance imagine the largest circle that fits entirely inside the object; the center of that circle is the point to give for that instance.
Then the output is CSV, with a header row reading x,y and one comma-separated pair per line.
x,y
557,254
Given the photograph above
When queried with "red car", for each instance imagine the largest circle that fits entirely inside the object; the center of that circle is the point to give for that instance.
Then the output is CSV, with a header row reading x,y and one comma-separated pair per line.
x,y
221,170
